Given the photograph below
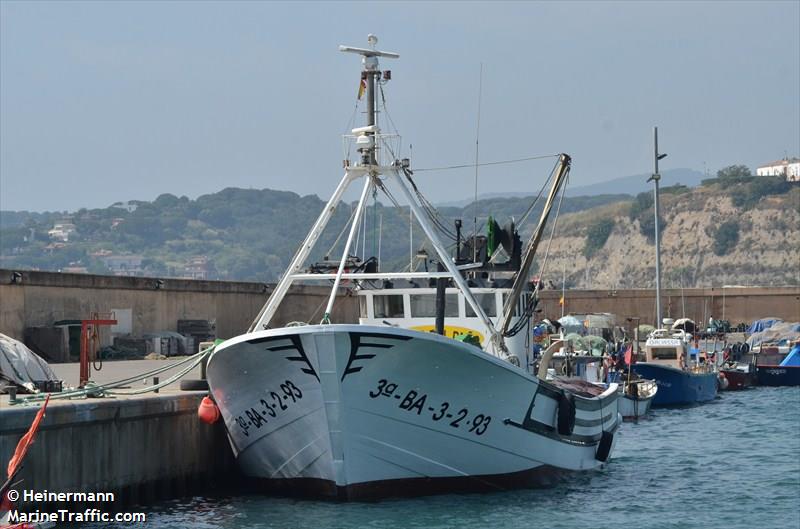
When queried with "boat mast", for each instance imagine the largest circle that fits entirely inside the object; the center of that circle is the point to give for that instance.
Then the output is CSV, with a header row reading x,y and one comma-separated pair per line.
x,y
366,146
370,168
521,278
655,178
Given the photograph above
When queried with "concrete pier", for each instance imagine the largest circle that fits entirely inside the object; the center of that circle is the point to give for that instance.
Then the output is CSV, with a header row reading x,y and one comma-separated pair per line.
x,y
142,449
36,299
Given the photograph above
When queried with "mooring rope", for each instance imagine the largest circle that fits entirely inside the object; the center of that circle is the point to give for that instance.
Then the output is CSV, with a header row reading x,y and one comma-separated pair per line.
x,y
105,389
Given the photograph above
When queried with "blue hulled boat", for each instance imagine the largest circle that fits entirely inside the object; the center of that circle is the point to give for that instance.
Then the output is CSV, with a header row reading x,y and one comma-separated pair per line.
x,y
680,380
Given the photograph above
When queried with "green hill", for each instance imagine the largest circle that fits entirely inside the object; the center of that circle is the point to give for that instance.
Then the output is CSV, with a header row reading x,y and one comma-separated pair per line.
x,y
245,234
248,234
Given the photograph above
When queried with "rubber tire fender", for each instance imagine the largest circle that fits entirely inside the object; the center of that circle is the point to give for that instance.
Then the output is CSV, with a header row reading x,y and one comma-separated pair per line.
x,y
194,384
604,446
566,413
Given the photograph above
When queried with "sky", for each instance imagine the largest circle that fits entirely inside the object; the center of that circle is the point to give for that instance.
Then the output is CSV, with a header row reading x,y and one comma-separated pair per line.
x,y
112,101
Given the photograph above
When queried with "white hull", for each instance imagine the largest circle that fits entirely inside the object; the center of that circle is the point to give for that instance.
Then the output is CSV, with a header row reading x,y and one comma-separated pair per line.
x,y
633,408
636,397
352,409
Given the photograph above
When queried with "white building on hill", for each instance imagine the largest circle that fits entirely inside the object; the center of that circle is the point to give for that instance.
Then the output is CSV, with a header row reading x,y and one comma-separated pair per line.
x,y
61,230
788,167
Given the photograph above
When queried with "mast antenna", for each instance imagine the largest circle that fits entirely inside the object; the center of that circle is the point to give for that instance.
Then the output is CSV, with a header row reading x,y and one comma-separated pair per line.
x,y
477,141
369,74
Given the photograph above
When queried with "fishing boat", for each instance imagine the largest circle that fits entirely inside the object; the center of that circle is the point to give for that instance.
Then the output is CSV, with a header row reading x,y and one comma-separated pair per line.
x,y
786,373
387,407
636,397
680,379
739,375
636,394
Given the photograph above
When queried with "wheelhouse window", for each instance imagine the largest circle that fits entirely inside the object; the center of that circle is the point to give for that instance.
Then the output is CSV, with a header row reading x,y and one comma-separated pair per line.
x,y
664,353
523,300
388,306
424,305
487,303
362,306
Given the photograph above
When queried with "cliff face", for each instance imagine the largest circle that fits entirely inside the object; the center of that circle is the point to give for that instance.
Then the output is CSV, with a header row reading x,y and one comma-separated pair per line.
x,y
696,250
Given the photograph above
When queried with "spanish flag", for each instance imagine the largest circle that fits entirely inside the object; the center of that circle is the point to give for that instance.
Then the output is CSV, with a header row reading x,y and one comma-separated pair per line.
x,y
361,88
561,301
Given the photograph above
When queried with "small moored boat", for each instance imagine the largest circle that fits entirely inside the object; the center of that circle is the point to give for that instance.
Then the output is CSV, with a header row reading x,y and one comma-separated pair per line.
x,y
680,380
787,373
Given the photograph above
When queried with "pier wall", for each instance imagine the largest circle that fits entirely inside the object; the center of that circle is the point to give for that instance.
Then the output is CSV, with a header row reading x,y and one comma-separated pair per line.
x,y
145,305
737,305
41,298
141,449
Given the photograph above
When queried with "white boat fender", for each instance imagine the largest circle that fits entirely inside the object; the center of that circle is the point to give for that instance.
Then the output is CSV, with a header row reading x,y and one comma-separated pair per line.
x,y
566,413
604,446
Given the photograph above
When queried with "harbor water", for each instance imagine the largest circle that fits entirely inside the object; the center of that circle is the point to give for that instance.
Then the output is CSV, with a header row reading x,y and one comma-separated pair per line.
x,y
730,463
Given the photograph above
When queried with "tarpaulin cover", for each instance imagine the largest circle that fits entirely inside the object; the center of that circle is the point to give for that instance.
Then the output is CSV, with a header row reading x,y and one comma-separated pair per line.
x,y
781,333
571,324
762,324
20,365
684,324
793,358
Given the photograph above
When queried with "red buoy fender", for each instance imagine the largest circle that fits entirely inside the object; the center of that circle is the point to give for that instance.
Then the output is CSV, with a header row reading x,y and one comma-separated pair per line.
x,y
208,412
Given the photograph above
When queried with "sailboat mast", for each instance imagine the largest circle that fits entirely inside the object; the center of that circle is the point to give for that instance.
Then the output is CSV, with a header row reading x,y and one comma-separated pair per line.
x,y
655,178
563,288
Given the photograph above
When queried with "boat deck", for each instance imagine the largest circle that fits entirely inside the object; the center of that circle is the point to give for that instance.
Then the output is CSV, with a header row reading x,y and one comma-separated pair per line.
x,y
579,387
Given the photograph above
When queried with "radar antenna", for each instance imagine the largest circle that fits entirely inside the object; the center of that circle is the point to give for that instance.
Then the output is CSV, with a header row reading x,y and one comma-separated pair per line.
x,y
371,71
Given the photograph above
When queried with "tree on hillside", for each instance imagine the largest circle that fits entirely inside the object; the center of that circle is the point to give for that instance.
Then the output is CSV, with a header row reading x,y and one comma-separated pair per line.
x,y
734,171
726,237
597,235
643,202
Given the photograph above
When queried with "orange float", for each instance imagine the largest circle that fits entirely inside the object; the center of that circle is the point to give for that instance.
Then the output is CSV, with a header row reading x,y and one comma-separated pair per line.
x,y
208,412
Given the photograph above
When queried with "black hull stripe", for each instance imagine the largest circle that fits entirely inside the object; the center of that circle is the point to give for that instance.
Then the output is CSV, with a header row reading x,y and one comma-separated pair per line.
x,y
282,348
548,431
539,477
267,339
385,336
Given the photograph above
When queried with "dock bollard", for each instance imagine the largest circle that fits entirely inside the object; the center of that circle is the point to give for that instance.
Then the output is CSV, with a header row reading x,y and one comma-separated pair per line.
x,y
12,394
155,383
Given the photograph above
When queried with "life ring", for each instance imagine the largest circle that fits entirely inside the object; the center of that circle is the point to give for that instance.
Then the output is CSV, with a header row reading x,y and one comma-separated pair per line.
x,y
566,413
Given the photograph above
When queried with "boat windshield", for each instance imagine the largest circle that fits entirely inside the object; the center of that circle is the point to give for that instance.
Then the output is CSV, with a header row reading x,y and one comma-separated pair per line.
x,y
388,306
424,305
487,303
664,353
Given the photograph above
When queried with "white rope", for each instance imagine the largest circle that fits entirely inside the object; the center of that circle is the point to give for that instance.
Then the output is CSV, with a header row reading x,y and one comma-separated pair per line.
x,y
103,389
